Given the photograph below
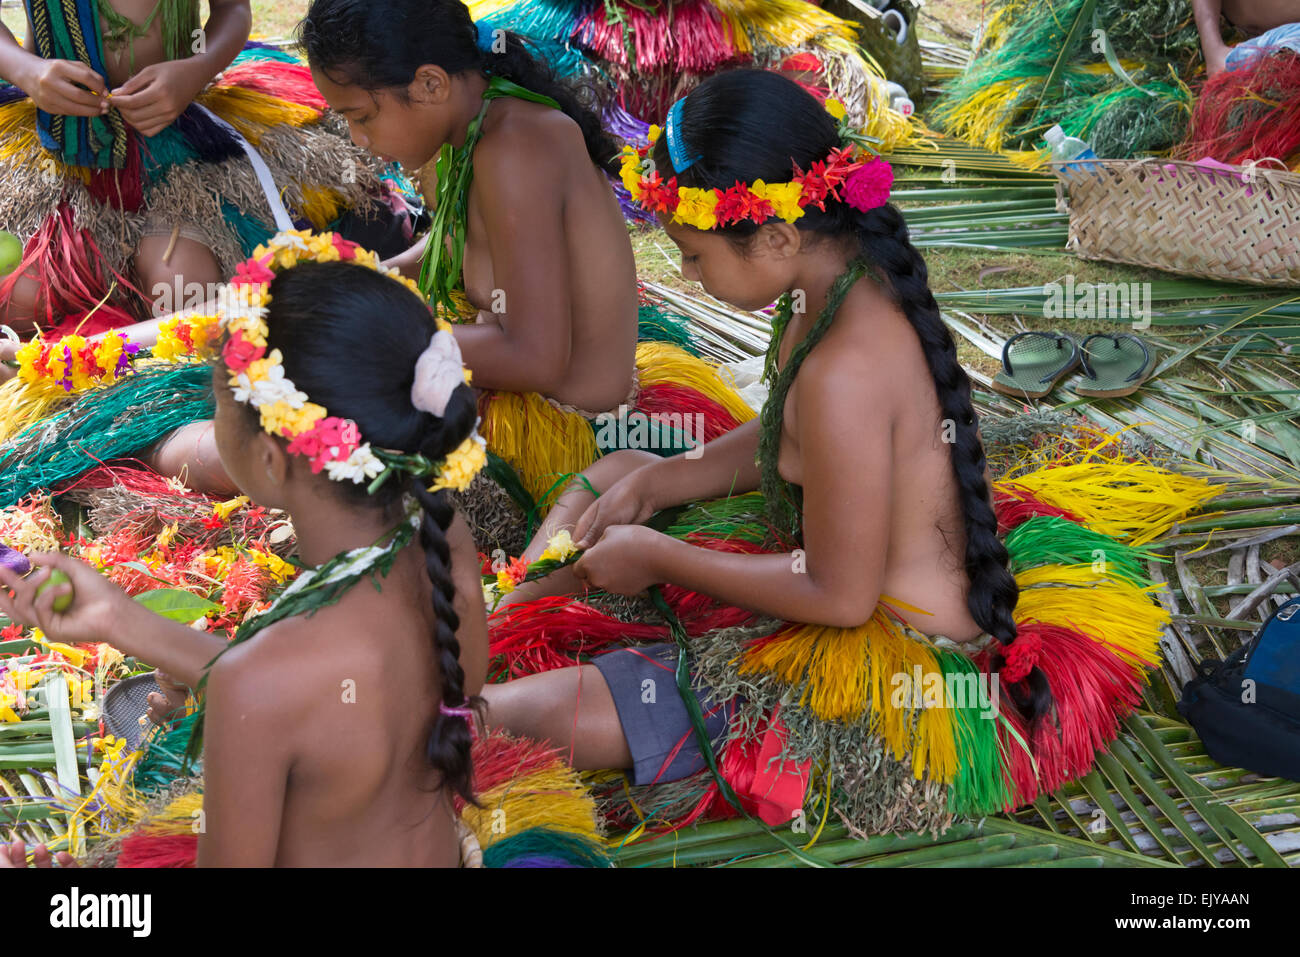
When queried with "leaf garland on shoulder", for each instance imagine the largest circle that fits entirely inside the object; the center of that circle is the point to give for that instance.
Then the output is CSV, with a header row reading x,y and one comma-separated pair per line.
x,y
444,253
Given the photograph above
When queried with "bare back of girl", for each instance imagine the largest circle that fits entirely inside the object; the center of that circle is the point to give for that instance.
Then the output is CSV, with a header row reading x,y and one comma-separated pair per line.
x,y
335,711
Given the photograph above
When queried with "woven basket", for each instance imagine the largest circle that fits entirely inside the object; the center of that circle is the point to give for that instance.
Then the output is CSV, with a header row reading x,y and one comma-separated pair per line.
x,y
1184,218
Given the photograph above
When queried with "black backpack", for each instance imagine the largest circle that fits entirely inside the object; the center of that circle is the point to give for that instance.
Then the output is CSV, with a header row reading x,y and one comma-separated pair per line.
x,y
1246,708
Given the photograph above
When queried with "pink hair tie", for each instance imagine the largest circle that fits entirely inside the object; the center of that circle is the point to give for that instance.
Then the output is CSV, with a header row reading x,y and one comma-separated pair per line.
x,y
464,712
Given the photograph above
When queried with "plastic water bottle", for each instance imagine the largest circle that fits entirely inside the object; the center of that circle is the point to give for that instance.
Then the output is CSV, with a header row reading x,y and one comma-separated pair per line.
x,y
1065,148
899,101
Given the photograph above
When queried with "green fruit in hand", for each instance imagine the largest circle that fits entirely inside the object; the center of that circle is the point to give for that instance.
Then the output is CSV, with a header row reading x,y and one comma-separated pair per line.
x,y
63,602
11,253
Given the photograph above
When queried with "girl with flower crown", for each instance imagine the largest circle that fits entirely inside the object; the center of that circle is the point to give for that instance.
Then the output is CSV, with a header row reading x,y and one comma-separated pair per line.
x,y
336,728
853,564
526,228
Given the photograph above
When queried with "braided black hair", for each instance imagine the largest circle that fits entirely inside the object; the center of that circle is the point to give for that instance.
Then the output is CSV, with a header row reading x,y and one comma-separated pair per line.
x,y
380,44
350,338
729,122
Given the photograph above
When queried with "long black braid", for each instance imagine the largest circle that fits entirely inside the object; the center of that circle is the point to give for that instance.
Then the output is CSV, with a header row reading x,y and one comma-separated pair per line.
x,y
350,338
728,121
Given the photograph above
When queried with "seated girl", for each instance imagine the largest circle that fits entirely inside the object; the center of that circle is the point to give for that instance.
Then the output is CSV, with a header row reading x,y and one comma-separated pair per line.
x,y
872,535
137,183
526,226
327,742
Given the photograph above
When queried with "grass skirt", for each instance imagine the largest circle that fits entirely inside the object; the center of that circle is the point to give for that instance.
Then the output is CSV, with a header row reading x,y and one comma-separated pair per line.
x,y
890,729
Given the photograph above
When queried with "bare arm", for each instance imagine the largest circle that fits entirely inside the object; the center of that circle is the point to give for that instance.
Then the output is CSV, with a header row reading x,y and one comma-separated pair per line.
x,y
155,96
246,763
847,459
1207,24
101,612
724,466
55,86
526,348
408,263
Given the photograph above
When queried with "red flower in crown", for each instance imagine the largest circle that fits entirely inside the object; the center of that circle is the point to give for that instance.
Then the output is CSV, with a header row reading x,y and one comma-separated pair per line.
x,y
658,196
238,352
254,272
824,178
740,203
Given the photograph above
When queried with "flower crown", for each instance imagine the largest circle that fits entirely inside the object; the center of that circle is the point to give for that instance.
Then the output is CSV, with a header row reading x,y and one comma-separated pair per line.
x,y
861,181
258,378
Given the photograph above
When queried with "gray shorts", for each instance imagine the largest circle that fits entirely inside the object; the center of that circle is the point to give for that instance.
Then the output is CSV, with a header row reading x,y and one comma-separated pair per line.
x,y
654,717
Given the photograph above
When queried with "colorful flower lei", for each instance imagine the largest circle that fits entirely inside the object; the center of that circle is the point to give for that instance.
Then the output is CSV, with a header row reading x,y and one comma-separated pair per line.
x,y
861,181
257,376
73,364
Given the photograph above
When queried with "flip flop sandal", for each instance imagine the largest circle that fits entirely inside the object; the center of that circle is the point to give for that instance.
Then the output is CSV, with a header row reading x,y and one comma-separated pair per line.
x,y
1116,369
1037,362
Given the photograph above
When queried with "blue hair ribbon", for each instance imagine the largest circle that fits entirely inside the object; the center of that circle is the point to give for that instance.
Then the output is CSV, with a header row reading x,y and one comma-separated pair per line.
x,y
487,35
678,154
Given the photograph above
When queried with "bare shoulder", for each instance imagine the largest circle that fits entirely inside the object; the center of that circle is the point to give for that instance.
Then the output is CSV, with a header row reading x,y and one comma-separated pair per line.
x,y
867,348
263,676
525,139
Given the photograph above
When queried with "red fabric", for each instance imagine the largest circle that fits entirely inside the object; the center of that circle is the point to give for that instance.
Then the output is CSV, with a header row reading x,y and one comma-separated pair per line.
x,y
121,188
65,262
549,633
769,789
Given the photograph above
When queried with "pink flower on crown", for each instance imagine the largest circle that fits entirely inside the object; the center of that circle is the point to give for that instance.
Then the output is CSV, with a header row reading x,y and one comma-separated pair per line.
x,y
868,186
307,444
347,249
238,352
254,272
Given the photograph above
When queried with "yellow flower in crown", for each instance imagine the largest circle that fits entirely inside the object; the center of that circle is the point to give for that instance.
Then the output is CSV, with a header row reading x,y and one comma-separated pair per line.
x,y
283,419
697,207
630,172
835,108
784,198
459,468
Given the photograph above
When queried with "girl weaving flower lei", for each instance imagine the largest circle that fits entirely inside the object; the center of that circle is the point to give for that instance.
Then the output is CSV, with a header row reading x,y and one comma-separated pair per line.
x,y
326,741
871,547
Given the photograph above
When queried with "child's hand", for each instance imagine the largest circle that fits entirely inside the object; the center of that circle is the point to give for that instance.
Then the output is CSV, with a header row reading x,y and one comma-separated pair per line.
x,y
624,561
56,86
97,603
15,856
153,98
623,504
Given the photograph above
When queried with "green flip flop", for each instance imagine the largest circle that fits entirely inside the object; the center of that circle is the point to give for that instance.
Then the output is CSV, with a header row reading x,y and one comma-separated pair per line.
x,y
1113,365
1037,362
